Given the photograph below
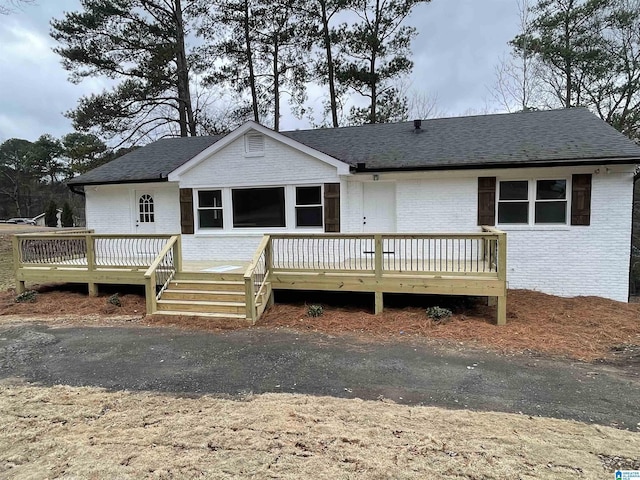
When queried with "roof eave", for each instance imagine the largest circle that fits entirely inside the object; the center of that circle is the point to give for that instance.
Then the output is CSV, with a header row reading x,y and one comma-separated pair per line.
x,y
498,165
117,182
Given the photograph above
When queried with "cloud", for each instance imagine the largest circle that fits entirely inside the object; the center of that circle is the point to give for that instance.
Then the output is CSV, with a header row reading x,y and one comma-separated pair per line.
x,y
459,43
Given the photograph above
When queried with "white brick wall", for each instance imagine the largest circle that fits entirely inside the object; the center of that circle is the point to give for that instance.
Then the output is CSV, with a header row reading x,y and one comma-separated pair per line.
x,y
113,208
565,261
220,247
585,260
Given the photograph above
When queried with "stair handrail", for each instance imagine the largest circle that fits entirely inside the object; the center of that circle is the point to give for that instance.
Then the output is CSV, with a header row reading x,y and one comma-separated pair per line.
x,y
150,275
253,284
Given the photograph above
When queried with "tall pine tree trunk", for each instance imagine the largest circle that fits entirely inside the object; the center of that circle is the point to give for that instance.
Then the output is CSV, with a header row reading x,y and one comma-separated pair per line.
x,y
249,53
276,85
330,70
187,120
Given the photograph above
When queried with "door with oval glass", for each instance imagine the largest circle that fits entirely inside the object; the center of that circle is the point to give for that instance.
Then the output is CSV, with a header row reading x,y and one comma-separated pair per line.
x,y
144,208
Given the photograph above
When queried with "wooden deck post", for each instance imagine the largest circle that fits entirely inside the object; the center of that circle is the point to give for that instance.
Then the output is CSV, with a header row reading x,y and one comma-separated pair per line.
x,y
91,264
378,265
501,310
150,293
177,254
268,262
379,307
250,299
20,285
268,255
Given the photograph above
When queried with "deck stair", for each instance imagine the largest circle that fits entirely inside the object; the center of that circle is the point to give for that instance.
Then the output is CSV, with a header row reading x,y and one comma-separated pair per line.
x,y
204,294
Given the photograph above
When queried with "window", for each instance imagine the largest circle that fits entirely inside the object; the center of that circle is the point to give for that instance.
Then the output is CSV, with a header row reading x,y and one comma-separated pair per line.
x,y
551,201
544,201
309,206
145,209
210,209
258,207
254,144
513,202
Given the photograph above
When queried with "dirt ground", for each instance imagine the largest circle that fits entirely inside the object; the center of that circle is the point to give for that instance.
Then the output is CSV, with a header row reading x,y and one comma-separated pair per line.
x,y
585,328
90,433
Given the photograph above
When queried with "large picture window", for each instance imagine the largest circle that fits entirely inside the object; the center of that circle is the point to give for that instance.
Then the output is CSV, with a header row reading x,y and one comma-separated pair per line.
x,y
309,206
210,209
532,201
258,207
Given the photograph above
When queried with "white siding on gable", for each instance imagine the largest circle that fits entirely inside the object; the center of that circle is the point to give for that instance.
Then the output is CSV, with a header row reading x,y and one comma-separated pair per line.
x,y
280,165
113,208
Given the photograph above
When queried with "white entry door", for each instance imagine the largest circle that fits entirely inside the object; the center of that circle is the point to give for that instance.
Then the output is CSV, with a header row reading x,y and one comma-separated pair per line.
x,y
379,207
145,212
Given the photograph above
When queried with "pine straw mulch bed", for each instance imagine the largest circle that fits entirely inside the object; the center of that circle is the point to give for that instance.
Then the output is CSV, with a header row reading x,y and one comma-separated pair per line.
x,y
584,328
72,299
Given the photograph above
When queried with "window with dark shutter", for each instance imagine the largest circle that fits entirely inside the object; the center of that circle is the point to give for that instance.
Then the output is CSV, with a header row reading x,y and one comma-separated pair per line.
x,y
186,210
486,200
332,207
581,199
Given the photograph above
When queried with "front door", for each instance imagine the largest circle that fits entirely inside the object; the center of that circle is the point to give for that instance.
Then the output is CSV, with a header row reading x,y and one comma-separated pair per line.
x,y
379,209
144,208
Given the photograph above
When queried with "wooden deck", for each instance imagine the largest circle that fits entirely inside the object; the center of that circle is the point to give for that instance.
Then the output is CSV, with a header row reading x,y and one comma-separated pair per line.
x,y
444,264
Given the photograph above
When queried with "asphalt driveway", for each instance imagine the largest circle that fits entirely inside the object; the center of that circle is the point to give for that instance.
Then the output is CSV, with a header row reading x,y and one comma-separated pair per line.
x,y
261,360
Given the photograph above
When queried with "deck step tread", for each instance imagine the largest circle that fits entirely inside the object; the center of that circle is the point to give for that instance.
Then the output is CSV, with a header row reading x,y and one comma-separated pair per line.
x,y
201,314
208,282
201,302
204,292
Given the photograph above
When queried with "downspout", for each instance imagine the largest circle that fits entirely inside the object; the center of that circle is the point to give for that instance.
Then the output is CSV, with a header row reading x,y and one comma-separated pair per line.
x,y
636,177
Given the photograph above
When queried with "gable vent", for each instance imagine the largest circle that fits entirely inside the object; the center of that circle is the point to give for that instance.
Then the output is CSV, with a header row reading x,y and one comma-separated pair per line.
x,y
254,144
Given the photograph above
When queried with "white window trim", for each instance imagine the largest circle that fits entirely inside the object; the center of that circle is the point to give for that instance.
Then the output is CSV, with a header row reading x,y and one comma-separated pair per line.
x,y
197,206
227,212
531,225
296,206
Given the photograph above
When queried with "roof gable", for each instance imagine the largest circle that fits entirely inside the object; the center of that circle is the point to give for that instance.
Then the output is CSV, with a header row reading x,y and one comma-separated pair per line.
x,y
342,167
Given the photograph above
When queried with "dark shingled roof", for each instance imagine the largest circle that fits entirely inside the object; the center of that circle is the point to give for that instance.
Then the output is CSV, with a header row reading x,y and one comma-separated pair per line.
x,y
152,162
554,137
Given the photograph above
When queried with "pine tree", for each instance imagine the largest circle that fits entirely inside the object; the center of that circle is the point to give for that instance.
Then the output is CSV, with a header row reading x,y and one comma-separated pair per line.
x,y
51,215
66,218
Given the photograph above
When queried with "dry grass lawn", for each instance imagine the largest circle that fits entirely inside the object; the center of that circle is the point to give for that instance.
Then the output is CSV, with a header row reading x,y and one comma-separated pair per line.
x,y
65,432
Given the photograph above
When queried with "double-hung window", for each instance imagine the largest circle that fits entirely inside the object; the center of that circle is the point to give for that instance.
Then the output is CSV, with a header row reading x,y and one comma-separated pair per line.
x,y
551,201
513,202
210,209
309,206
538,202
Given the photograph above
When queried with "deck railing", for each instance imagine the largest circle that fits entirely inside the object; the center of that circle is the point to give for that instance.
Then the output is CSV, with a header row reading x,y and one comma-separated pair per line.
x,y
84,257
88,249
256,279
444,254
161,271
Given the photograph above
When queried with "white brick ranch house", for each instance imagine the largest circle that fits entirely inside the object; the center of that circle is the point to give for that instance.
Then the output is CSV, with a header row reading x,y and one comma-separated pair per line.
x,y
560,183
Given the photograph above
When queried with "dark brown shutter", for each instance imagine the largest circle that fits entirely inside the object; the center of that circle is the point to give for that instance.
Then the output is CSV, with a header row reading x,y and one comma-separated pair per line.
x,y
186,210
581,199
332,207
486,201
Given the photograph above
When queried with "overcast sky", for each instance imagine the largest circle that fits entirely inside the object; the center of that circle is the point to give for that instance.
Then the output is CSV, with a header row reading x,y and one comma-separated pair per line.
x,y
459,43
